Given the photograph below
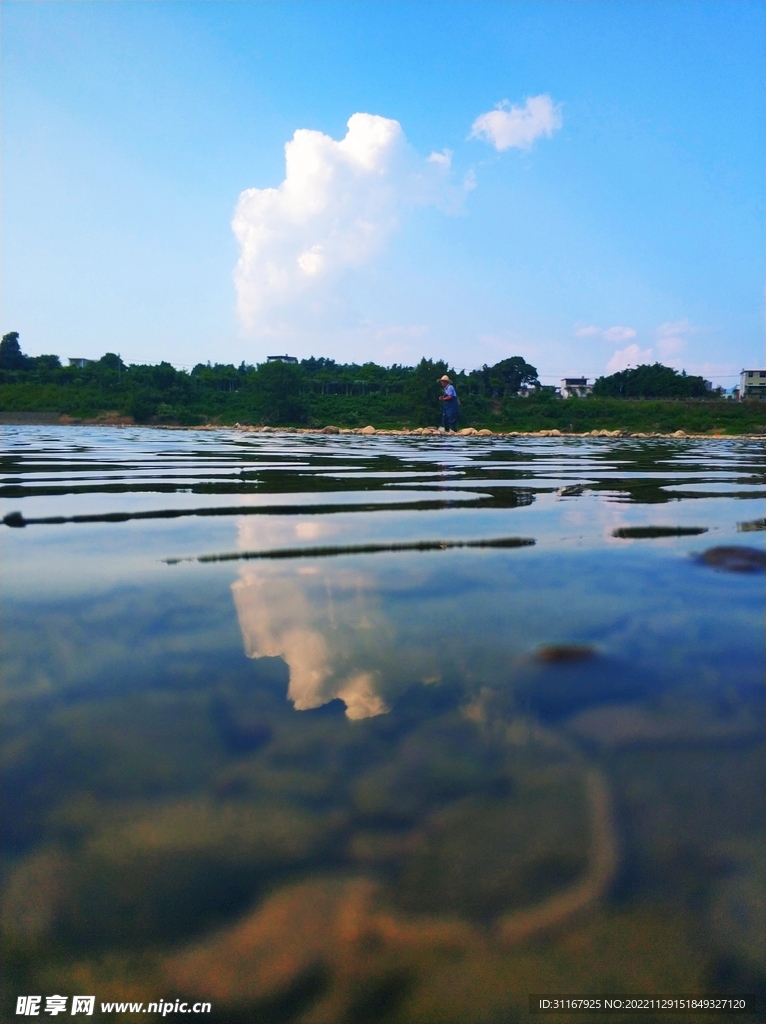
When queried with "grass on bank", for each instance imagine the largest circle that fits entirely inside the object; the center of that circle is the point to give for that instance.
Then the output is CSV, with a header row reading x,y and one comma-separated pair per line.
x,y
394,411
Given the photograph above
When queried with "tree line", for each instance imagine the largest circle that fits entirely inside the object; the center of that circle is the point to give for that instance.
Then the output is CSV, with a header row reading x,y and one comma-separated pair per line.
x,y
272,392
318,391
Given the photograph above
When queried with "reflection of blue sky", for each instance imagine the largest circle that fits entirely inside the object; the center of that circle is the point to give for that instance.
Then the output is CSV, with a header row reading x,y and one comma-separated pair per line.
x,y
145,633
136,501
365,628
718,487
80,558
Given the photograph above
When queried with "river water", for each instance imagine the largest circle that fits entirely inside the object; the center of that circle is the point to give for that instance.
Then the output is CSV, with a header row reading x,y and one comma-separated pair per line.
x,y
381,728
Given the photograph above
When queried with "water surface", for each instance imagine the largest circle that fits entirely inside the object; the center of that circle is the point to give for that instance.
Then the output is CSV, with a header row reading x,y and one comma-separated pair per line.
x,y
488,725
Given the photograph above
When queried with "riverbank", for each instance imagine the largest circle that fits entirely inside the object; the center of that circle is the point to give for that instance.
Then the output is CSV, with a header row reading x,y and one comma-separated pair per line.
x,y
78,401
113,420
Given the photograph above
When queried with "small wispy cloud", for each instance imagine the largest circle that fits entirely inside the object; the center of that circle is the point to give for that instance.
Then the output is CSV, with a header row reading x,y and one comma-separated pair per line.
x,y
618,334
589,331
509,126
720,373
444,158
672,339
614,334
676,327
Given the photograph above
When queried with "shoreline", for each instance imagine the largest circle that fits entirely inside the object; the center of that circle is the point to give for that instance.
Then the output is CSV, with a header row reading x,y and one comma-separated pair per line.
x,y
54,420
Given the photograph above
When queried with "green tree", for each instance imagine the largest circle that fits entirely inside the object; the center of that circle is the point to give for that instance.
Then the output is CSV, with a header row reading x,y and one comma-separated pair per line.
x,y
507,376
164,376
276,390
141,407
651,381
48,362
110,361
11,356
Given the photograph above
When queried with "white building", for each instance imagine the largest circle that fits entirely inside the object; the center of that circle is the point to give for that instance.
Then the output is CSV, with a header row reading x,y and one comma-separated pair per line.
x,y
575,387
752,384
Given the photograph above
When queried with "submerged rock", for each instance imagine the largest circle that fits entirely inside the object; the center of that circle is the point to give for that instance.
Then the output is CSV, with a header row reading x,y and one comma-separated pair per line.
x,y
565,653
564,679
733,558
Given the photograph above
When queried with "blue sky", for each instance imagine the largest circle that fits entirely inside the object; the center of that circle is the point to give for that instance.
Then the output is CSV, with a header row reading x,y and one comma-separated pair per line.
x,y
611,212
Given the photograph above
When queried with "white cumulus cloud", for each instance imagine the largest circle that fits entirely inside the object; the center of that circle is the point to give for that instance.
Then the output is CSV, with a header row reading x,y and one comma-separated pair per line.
x,y
631,356
509,126
338,204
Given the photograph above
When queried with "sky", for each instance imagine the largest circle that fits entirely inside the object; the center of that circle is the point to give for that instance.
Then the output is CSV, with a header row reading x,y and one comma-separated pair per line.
x,y
580,183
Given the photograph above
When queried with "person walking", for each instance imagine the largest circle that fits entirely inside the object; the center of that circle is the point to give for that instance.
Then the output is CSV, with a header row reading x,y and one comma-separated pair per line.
x,y
449,404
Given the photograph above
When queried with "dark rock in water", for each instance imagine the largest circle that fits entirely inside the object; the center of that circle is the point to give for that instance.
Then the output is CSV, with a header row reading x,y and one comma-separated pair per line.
x,y
565,653
14,519
561,685
646,532
732,558
751,526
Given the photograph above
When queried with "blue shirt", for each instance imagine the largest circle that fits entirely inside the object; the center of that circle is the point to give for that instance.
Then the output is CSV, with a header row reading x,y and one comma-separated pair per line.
x,y
451,394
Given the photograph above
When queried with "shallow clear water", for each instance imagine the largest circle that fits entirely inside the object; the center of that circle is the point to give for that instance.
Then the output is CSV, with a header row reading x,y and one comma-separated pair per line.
x,y
410,769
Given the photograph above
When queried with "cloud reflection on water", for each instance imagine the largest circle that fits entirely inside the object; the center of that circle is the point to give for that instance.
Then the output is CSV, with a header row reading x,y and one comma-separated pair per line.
x,y
318,620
